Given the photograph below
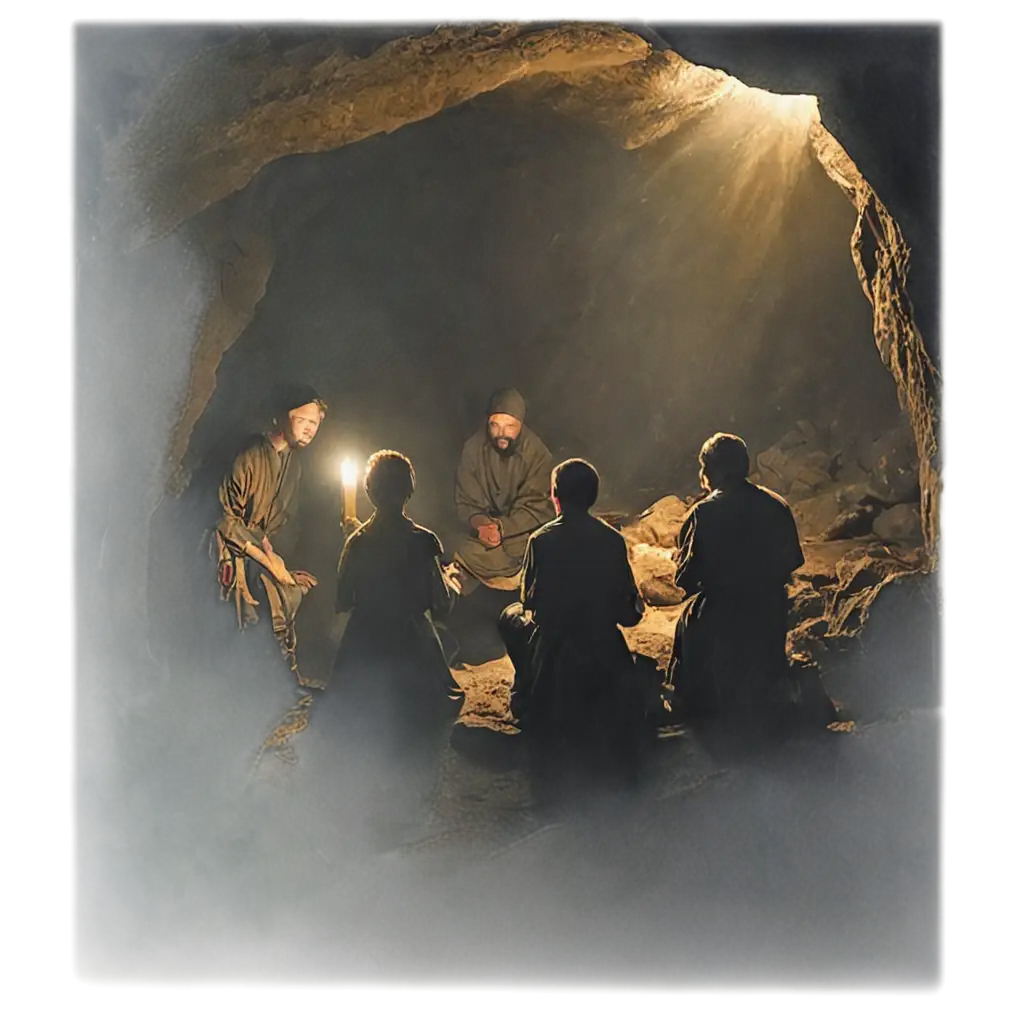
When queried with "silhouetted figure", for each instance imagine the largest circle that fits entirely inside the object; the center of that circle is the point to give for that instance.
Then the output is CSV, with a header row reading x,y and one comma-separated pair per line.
x,y
390,674
737,550
577,692
258,497
501,491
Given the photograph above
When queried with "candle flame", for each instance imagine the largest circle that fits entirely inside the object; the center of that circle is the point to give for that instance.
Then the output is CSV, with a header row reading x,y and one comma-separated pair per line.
x,y
349,472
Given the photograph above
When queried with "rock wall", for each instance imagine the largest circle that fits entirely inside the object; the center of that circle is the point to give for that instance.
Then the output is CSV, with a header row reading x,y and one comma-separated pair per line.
x,y
235,108
899,341
241,258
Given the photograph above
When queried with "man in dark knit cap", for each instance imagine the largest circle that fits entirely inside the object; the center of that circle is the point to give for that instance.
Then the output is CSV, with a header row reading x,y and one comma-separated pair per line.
x,y
502,492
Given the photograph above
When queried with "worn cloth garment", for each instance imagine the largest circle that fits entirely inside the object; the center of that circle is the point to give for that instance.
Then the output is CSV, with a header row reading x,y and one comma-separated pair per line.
x,y
390,673
576,687
511,487
258,497
737,550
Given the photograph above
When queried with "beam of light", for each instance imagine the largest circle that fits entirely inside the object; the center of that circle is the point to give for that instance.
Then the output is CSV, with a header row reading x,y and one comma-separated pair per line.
x,y
700,236
797,109
349,473
752,148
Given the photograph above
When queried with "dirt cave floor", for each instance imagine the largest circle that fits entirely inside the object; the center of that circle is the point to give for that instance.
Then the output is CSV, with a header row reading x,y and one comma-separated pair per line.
x,y
483,799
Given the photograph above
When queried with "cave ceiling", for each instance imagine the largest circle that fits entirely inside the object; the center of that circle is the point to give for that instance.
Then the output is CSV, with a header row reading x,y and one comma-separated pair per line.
x,y
235,108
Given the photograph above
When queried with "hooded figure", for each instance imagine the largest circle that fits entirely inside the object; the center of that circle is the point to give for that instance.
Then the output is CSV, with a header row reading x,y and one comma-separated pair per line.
x,y
502,492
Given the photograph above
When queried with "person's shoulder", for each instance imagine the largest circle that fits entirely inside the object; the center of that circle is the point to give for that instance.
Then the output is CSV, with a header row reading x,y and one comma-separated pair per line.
x,y
700,507
252,445
548,532
361,533
767,497
530,443
426,539
606,533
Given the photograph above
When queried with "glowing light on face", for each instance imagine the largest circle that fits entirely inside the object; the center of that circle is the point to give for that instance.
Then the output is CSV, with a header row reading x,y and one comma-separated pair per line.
x,y
303,424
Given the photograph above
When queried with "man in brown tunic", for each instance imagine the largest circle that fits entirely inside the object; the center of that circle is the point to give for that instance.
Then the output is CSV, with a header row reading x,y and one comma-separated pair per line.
x,y
258,497
738,547
502,492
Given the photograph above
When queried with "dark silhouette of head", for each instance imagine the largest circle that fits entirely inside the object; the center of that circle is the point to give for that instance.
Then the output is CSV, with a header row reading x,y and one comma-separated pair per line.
x,y
390,480
724,462
298,413
506,410
574,485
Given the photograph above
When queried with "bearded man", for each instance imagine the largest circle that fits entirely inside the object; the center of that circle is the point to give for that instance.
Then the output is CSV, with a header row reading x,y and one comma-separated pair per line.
x,y
502,492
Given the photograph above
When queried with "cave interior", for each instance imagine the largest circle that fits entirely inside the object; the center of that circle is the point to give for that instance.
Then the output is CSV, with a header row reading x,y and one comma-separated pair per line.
x,y
640,298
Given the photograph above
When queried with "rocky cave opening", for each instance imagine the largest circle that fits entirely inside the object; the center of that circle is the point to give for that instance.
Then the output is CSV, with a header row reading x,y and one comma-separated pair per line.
x,y
640,298
649,250
567,208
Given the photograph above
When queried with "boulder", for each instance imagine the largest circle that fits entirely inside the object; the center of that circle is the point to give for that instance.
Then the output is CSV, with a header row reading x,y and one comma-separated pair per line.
x,y
814,515
798,464
659,525
857,580
901,523
652,644
650,559
654,634
893,460
855,522
660,591
806,602
807,469
821,558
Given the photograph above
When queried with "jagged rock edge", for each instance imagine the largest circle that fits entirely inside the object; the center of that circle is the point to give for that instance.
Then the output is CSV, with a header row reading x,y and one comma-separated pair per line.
x,y
897,337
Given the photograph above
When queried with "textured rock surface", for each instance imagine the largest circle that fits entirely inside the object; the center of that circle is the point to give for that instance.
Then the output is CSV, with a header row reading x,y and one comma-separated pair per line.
x,y
659,524
900,523
898,339
242,260
233,109
799,464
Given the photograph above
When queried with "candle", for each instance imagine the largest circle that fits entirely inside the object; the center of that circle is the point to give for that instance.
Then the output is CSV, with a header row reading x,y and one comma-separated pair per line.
x,y
348,490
